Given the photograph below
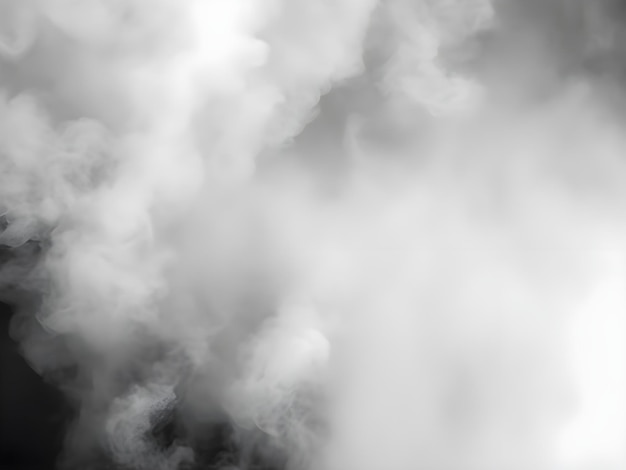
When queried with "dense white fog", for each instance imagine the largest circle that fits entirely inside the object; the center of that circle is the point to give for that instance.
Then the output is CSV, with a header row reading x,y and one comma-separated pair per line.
x,y
367,234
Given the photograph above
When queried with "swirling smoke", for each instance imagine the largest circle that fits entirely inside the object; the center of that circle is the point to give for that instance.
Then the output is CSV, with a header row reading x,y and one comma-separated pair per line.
x,y
365,234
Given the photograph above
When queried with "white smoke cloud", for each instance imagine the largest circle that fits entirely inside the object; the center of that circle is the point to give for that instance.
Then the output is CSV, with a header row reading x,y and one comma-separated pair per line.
x,y
421,31
173,160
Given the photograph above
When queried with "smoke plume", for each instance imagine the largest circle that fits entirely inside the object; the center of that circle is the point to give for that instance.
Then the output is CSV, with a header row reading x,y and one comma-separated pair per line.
x,y
358,234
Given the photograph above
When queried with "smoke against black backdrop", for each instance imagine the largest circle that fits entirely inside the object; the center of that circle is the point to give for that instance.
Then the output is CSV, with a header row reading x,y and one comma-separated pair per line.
x,y
296,234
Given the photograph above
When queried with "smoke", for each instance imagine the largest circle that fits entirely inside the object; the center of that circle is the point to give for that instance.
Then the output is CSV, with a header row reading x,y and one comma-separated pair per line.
x,y
363,234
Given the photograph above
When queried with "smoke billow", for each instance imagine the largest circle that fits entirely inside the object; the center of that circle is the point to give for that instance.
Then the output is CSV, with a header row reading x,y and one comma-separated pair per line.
x,y
355,234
